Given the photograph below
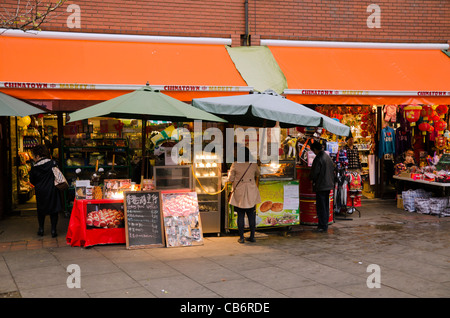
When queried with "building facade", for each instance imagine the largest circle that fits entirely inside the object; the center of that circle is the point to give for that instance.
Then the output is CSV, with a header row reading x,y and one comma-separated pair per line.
x,y
411,21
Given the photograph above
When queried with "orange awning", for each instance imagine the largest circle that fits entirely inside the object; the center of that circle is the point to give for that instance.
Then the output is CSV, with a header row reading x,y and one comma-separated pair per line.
x,y
318,75
75,69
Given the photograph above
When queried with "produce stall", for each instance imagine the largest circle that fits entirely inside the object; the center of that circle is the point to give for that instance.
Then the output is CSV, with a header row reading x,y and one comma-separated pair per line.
x,y
279,197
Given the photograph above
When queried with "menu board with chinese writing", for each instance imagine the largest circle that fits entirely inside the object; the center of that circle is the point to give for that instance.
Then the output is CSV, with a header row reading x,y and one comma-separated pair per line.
x,y
143,219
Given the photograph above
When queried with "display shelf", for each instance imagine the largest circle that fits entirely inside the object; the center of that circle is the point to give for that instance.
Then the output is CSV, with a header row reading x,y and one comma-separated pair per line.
x,y
207,180
86,152
172,177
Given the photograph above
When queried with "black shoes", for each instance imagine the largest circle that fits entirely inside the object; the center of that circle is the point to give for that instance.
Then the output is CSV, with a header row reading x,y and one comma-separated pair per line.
x,y
320,230
40,232
248,239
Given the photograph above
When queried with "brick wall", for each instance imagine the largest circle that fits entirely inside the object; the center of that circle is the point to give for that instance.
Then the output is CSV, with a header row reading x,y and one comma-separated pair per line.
x,y
326,20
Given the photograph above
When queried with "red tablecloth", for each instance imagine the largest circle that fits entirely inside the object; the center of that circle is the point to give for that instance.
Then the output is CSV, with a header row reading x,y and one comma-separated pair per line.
x,y
79,235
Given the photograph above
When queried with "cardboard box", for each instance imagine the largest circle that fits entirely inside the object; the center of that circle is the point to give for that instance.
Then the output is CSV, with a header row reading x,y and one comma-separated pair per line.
x,y
399,202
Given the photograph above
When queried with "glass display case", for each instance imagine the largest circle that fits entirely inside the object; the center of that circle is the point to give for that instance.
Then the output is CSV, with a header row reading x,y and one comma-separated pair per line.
x,y
88,155
172,177
283,170
207,184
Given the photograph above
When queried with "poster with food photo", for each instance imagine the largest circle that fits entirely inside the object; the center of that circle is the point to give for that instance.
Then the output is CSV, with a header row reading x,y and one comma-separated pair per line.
x,y
279,205
104,215
114,188
182,219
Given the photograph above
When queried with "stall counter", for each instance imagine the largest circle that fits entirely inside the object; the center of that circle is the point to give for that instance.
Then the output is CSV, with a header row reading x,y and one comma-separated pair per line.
x,y
279,197
444,187
79,233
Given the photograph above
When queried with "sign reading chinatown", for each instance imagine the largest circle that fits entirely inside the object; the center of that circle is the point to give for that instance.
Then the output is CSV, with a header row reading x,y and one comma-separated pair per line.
x,y
322,92
75,86
214,88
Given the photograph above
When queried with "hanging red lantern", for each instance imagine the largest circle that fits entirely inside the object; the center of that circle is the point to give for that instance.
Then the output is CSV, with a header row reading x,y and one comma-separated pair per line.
x,y
423,127
434,117
442,110
440,126
412,113
426,112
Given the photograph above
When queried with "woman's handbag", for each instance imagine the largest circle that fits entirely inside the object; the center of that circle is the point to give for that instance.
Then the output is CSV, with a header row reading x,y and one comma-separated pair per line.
x,y
60,181
229,194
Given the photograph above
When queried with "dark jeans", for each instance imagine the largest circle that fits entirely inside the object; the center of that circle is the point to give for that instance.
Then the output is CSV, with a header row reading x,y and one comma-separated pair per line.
x,y
323,208
251,215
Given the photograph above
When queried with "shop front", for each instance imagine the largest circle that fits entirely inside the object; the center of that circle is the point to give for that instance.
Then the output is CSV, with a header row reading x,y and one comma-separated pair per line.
x,y
104,157
370,87
129,153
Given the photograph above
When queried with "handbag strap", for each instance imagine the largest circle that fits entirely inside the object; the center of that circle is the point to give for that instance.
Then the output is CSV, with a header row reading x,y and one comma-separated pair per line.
x,y
241,177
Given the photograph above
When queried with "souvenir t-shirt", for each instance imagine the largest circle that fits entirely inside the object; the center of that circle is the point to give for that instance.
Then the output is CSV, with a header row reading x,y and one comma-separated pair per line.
x,y
387,142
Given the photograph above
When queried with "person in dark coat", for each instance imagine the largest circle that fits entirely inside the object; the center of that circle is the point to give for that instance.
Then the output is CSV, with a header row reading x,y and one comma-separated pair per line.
x,y
322,177
48,198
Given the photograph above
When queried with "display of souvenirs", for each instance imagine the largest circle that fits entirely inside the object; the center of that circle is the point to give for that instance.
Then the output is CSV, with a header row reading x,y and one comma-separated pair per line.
x,y
182,219
114,188
444,162
355,181
26,189
390,113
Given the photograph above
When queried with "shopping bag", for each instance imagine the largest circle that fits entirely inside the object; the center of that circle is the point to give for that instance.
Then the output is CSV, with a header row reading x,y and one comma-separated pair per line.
x,y
446,212
408,200
438,205
60,181
422,205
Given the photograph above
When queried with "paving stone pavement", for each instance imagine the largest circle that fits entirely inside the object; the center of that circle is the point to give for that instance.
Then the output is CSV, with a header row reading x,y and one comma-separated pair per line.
x,y
411,251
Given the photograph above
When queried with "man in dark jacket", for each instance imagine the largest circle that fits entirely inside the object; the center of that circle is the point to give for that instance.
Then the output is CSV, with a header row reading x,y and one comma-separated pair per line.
x,y
322,177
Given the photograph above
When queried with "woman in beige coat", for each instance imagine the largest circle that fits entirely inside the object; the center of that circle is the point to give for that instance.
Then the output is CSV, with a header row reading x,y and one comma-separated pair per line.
x,y
245,193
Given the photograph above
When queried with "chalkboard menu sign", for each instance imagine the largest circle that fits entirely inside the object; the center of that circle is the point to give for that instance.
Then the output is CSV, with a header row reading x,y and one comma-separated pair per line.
x,y
143,219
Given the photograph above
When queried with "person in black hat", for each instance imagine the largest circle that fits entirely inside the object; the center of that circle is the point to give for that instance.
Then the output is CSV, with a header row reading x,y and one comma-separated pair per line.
x,y
322,177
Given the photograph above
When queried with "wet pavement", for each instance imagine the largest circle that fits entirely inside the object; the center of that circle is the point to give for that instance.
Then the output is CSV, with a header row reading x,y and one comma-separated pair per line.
x,y
406,255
